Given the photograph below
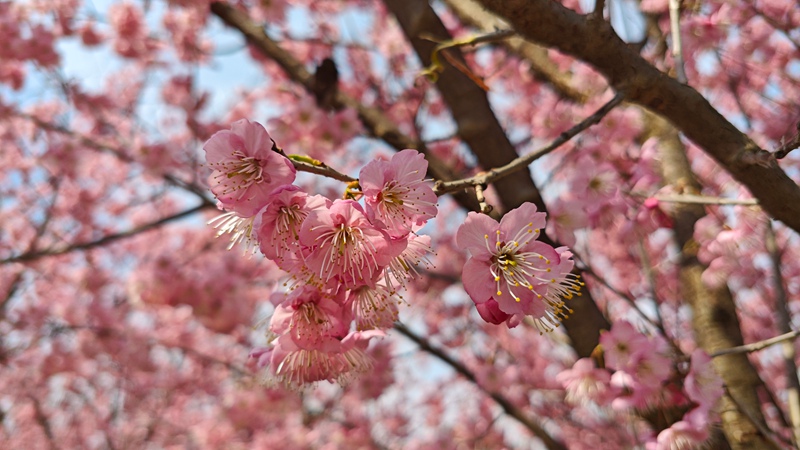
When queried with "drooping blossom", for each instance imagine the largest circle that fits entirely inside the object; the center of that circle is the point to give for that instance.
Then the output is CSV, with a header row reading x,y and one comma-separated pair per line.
x,y
346,249
246,169
373,307
309,315
277,225
396,192
507,263
404,267
295,365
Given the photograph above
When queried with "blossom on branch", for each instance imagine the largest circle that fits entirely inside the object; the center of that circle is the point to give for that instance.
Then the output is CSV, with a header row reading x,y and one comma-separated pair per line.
x,y
246,169
396,192
524,276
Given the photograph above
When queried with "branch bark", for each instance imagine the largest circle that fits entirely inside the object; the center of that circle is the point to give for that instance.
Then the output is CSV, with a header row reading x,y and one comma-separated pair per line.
x,y
480,129
595,42
374,120
714,319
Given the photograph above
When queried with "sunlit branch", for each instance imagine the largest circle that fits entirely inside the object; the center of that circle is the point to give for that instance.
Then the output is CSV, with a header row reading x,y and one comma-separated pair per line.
x,y
756,346
677,46
495,174
788,146
765,432
504,403
34,255
784,326
542,67
704,200
319,168
436,66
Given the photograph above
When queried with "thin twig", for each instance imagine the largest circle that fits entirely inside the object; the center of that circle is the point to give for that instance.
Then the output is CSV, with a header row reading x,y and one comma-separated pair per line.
x,y
599,7
495,174
91,143
34,255
787,147
704,200
756,346
677,47
504,403
321,169
485,207
784,326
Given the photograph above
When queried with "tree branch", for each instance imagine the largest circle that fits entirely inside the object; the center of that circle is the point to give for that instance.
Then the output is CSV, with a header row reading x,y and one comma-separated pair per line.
x,y
543,69
34,255
521,162
504,403
374,120
596,43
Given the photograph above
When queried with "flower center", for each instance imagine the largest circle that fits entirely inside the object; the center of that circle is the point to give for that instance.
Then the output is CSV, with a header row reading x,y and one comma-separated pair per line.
x,y
512,267
241,173
345,250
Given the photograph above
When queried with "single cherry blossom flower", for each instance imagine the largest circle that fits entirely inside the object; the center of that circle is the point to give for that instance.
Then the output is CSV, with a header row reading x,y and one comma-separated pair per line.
x,y
396,192
508,264
295,365
246,169
346,249
277,225
309,315
585,383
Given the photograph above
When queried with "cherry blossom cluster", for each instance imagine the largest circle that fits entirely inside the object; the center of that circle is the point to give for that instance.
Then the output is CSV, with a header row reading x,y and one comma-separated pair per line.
x,y
511,275
346,260
637,376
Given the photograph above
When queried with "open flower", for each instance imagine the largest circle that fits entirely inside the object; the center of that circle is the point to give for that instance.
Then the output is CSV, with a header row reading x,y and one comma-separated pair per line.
x,y
396,192
246,170
507,263
347,250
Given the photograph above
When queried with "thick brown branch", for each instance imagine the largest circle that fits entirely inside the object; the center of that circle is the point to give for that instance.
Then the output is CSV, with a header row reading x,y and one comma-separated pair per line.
x,y
374,120
595,42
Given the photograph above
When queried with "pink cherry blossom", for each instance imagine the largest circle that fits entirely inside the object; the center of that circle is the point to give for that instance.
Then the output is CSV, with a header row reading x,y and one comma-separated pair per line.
x,y
397,193
508,264
246,169
404,266
345,248
309,315
294,365
278,224
373,307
